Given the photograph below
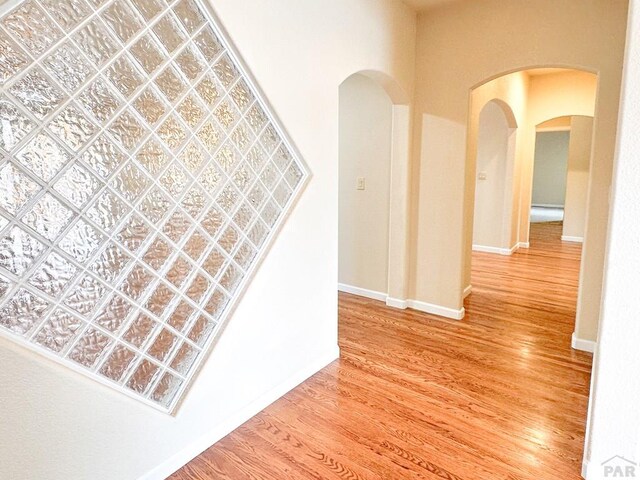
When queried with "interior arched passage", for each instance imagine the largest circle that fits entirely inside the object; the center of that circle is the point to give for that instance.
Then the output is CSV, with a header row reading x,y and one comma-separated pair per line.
x,y
374,141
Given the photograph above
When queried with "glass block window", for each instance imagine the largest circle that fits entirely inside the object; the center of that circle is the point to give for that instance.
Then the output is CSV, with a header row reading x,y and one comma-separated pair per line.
x,y
142,179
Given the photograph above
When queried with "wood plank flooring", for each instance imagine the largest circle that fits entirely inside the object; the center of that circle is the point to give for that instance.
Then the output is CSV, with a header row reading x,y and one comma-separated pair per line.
x,y
498,395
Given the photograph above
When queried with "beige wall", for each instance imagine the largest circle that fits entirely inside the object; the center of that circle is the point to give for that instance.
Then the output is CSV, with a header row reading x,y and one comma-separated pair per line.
x,y
575,210
550,168
364,152
57,425
453,58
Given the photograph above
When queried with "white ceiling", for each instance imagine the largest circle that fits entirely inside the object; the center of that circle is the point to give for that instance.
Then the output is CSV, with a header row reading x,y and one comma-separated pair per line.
x,y
426,4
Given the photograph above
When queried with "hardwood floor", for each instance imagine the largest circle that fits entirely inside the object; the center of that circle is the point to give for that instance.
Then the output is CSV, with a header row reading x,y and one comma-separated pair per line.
x,y
498,395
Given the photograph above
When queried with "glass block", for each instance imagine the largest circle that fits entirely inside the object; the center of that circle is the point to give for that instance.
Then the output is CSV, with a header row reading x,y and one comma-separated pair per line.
x,y
152,156
228,157
162,345
14,125
192,157
213,262
113,314
209,90
166,389
172,132
256,158
139,330
43,156
189,15
245,255
68,13
48,217
184,358
32,27
148,8
226,71
210,135
5,286
77,185
231,279
269,176
169,33
282,193
157,253
198,288
190,63
175,180
170,84
124,76
201,329
196,245
13,59
154,206
103,156
81,241
213,221
131,182
270,213
17,188
147,53
256,117
97,3
91,346
293,175
257,196
110,263
180,316
179,271
107,210
194,201
18,251
72,127
191,111
177,226
282,158
226,115
242,96
127,130
60,329
149,106
243,178
270,139
99,100
96,42
258,233
143,376
22,312
134,233
122,20
37,93
216,303
244,216
242,138
118,363
68,66
160,299
228,198
229,239
136,282
208,43
85,295
53,275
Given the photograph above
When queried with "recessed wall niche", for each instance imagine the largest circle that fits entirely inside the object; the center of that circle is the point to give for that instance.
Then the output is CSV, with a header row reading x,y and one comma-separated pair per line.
x,y
142,178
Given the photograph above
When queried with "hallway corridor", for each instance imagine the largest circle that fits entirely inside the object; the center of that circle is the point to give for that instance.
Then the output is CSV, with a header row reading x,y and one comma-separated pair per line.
x,y
498,395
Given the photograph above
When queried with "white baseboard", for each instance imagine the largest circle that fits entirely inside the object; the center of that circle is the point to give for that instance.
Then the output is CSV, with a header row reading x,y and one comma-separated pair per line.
x,y
499,251
362,292
582,344
467,291
523,245
569,238
191,451
426,307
